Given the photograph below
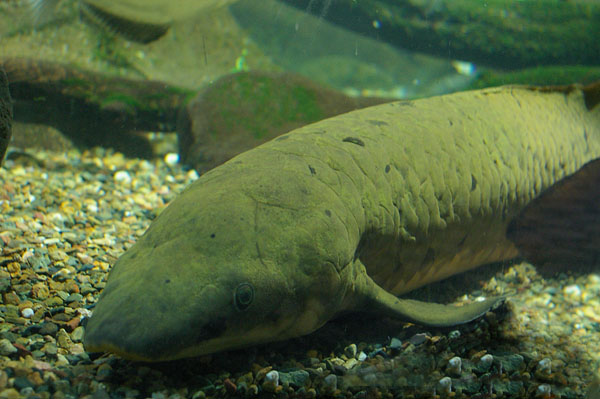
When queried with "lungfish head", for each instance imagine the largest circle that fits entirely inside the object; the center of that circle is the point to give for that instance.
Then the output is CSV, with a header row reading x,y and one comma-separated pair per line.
x,y
210,275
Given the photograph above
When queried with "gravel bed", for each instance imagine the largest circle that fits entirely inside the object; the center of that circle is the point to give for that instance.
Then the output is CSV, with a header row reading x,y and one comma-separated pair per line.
x,y
66,217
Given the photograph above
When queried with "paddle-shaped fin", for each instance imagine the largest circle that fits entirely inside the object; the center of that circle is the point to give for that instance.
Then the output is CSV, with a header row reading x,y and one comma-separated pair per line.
x,y
562,226
374,298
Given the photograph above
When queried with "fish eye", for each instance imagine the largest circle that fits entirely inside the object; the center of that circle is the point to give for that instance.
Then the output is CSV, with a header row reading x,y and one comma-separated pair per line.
x,y
243,296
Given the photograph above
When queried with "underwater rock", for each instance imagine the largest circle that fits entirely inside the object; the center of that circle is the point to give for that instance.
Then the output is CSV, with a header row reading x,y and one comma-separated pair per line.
x,y
243,110
91,108
509,34
5,114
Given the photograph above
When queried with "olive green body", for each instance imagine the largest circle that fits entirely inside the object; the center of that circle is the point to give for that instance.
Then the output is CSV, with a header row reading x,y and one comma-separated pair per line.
x,y
342,215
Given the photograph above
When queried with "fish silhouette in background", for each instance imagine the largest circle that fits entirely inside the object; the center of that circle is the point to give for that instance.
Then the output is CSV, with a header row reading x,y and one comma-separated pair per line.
x,y
142,21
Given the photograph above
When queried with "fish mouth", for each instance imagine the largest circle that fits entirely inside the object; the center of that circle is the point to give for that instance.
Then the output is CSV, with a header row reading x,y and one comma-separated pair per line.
x,y
150,341
139,324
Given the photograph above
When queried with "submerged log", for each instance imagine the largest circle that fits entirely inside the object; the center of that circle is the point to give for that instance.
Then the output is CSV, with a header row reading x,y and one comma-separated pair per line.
x,y
498,33
92,108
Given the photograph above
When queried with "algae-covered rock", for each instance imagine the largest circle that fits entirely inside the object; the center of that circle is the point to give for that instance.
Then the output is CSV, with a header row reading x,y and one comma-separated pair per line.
x,y
499,33
5,114
243,110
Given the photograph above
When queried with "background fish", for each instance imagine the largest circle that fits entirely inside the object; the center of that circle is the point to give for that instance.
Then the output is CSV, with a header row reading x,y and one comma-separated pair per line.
x,y
139,20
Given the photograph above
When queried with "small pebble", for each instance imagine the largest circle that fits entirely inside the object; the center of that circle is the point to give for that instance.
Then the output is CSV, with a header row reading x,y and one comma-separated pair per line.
x,y
330,383
27,313
545,365
486,361
77,334
272,377
543,391
350,351
230,387
572,291
6,347
395,343
362,356
445,385
296,378
172,158
122,176
418,339
455,366
454,334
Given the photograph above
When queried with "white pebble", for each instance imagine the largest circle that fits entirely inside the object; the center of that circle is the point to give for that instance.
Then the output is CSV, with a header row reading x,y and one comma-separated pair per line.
x,y
192,175
27,313
272,377
487,360
445,384
572,290
543,390
454,334
362,356
84,312
122,176
545,365
455,365
172,159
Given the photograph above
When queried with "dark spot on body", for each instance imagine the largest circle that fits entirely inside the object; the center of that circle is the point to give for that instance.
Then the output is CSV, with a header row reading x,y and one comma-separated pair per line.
x,y
328,212
429,256
312,170
167,281
212,235
354,140
387,168
377,123
473,183
402,103
450,122
461,242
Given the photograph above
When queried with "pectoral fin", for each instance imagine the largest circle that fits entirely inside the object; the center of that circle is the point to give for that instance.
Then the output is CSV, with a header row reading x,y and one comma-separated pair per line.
x,y
374,298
